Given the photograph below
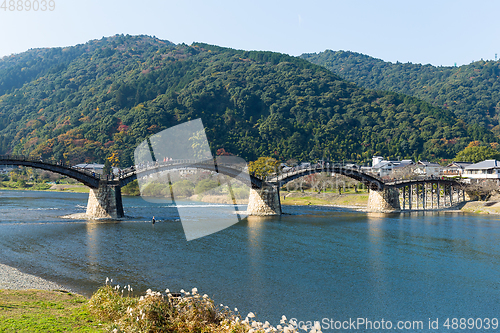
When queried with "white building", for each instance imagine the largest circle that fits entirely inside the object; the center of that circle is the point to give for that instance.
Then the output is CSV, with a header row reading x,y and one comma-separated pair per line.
x,y
489,169
428,168
5,169
96,168
384,168
455,169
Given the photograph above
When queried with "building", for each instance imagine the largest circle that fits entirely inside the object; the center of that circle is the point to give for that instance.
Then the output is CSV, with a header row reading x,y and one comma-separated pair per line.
x,y
96,168
385,168
489,169
455,169
5,169
425,168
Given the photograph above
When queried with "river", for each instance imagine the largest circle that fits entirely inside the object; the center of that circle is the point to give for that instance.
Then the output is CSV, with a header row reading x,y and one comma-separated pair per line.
x,y
314,263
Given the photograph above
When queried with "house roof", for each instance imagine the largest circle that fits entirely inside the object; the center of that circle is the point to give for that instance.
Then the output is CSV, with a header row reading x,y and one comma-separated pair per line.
x,y
460,165
429,164
383,164
488,164
93,166
403,163
89,166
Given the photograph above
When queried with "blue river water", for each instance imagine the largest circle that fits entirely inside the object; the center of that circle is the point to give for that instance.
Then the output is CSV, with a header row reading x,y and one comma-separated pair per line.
x,y
313,264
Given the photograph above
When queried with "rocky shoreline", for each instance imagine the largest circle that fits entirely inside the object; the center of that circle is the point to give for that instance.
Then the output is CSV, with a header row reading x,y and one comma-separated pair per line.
x,y
12,278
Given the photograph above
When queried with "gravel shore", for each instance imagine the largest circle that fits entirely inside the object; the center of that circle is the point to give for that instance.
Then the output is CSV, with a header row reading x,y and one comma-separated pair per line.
x,y
12,278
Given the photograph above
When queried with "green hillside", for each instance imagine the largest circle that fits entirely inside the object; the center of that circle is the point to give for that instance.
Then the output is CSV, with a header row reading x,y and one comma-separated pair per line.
x,y
471,92
101,99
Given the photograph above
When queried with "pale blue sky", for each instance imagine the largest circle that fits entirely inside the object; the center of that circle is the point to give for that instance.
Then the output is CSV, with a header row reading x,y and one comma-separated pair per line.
x,y
425,31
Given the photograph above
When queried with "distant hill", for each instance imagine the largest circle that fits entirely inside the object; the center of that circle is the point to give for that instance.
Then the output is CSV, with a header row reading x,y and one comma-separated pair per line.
x,y
101,99
471,92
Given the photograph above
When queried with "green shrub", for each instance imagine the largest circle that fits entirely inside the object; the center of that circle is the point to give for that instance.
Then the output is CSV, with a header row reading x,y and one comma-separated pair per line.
x,y
183,188
205,185
154,312
132,189
241,192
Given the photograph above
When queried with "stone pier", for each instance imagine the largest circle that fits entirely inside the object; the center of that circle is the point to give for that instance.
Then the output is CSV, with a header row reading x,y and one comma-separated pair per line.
x,y
385,201
264,201
105,201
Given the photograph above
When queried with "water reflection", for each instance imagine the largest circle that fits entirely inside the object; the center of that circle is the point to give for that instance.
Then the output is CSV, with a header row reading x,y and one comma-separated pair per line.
x,y
92,248
378,268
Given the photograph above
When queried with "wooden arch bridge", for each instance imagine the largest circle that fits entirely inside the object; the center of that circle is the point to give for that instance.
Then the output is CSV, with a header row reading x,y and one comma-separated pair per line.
x,y
105,191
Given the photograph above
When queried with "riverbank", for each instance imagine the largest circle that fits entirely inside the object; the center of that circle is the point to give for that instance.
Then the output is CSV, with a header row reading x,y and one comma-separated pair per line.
x,y
77,188
356,201
29,303
349,200
12,278
482,207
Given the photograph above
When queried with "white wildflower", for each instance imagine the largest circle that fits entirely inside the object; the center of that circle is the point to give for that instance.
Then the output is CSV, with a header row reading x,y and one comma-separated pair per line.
x,y
279,327
251,315
167,291
194,290
317,326
182,291
235,309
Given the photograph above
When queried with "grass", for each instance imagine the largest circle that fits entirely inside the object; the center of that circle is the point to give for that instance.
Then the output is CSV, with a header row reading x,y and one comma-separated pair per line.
x,y
184,312
45,311
359,199
304,201
44,187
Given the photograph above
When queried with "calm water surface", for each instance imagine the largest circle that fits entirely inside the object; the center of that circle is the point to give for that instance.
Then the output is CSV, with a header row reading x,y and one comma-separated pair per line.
x,y
312,264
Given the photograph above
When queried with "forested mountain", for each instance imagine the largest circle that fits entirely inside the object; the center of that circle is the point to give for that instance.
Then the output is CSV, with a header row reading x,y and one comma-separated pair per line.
x,y
471,92
101,99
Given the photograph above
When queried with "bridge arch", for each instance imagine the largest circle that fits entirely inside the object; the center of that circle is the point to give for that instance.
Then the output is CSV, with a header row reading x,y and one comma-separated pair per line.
x,y
132,174
371,182
83,177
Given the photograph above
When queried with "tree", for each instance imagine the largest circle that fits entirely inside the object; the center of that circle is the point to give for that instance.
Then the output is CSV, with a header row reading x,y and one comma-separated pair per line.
x,y
263,167
477,154
106,170
114,159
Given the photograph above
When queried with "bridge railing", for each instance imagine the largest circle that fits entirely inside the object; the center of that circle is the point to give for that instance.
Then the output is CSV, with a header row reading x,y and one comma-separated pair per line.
x,y
326,166
182,163
63,164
